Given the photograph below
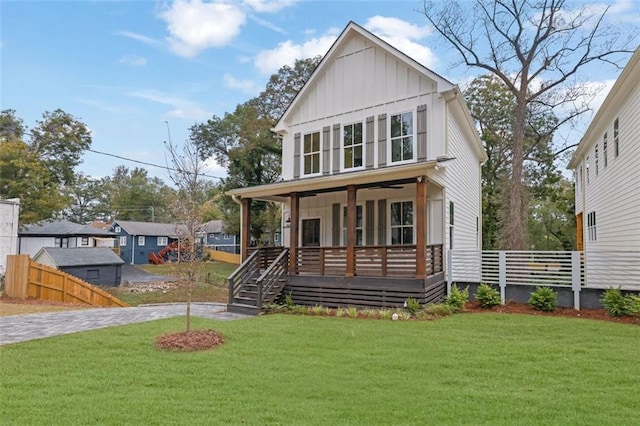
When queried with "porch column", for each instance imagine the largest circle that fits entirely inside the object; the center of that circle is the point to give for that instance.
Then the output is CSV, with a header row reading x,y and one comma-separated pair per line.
x,y
351,230
245,231
421,227
293,233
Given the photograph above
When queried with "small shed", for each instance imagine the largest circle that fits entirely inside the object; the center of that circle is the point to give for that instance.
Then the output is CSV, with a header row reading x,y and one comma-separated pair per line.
x,y
96,265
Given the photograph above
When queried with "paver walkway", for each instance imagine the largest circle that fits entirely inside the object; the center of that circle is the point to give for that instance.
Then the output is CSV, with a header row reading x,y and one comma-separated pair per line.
x,y
20,328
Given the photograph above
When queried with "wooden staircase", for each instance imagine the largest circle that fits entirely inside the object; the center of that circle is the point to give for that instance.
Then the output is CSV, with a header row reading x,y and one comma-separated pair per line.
x,y
258,281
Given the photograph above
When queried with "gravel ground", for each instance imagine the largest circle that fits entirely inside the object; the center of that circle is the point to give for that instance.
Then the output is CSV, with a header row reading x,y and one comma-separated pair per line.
x,y
133,274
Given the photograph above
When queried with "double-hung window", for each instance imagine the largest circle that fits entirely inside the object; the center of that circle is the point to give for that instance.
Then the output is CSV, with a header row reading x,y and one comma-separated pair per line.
x,y
402,223
311,153
352,145
123,241
402,137
616,138
140,240
162,241
359,225
604,149
591,227
595,153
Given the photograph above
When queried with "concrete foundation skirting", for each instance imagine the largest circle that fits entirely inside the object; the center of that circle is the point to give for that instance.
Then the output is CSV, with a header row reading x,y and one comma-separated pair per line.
x,y
589,297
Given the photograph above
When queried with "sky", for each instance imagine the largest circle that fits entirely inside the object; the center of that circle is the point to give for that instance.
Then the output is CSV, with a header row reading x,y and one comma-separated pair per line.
x,y
139,73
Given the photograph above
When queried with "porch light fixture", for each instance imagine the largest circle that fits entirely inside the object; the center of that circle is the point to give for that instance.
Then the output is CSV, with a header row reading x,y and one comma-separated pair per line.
x,y
287,221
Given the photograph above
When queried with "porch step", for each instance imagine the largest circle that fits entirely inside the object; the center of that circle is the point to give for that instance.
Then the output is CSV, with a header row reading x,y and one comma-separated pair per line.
x,y
239,308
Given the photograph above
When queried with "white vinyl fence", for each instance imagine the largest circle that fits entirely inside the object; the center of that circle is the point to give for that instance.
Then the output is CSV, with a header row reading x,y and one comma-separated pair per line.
x,y
574,269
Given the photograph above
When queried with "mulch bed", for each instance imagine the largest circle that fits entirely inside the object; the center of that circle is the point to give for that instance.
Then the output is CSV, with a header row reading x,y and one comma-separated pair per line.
x,y
189,341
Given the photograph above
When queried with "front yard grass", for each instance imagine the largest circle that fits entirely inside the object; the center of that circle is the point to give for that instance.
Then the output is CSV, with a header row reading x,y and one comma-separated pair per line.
x,y
285,369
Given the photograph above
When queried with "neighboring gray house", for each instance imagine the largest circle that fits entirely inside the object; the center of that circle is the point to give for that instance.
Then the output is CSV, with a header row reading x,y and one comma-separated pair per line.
x,y
61,233
138,240
216,239
96,265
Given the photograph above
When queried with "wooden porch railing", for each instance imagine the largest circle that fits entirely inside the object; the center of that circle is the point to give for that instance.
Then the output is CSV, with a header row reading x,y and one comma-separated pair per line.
x,y
270,283
373,261
249,269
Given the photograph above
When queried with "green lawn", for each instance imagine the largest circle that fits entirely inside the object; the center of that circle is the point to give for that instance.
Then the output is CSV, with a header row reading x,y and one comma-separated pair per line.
x,y
281,369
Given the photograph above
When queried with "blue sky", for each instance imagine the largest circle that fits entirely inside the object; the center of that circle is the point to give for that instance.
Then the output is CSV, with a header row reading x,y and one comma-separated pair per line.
x,y
133,71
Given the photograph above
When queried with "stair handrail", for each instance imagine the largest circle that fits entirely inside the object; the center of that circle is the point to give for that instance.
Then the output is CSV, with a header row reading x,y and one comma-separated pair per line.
x,y
242,274
271,276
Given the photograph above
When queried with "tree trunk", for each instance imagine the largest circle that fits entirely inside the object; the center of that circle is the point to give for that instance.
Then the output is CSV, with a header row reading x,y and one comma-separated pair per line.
x,y
514,209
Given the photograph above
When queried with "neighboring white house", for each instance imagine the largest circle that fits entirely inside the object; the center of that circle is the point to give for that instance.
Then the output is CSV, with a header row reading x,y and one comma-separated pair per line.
x,y
61,233
606,167
9,212
380,156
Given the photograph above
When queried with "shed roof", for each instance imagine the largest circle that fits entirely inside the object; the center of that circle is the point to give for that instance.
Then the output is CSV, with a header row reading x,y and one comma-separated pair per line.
x,y
213,227
81,256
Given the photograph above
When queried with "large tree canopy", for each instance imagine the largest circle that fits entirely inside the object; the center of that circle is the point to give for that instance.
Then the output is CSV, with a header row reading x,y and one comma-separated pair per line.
x,y
243,142
537,49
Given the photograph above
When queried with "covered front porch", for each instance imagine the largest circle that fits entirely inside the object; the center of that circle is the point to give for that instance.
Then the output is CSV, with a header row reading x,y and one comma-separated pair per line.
x,y
356,238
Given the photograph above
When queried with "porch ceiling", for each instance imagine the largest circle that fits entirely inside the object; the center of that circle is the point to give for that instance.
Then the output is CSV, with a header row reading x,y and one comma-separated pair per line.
x,y
280,191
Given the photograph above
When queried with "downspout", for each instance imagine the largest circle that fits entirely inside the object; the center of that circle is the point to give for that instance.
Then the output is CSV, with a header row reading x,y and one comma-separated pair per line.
x,y
133,249
236,199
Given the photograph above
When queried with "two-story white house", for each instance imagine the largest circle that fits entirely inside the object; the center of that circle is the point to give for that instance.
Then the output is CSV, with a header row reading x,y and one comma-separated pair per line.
x,y
381,176
606,167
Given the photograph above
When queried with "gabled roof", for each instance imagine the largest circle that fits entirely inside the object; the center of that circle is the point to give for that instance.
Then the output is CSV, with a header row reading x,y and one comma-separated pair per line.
x,y
80,256
212,227
61,228
629,79
151,229
352,28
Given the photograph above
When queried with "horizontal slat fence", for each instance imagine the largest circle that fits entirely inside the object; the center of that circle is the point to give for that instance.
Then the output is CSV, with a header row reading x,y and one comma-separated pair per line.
x,y
26,278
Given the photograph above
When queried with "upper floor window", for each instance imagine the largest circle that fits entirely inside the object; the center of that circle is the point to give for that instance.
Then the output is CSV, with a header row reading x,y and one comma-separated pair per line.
x,y
85,241
616,138
604,149
352,145
591,227
118,229
587,169
595,154
402,223
61,242
141,240
402,137
312,153
163,241
359,222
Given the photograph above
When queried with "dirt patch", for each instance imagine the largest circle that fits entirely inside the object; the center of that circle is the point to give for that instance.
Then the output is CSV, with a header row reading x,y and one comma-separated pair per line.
x,y
523,308
11,306
189,341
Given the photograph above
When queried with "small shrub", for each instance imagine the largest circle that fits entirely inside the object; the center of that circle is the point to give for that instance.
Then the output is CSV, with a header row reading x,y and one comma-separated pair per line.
x,y
412,305
327,311
619,305
288,300
341,312
404,315
352,312
300,309
543,299
317,310
457,298
487,296
384,314
438,310
370,313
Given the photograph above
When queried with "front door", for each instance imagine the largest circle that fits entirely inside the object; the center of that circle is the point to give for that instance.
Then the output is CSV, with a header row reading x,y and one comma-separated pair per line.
x,y
310,232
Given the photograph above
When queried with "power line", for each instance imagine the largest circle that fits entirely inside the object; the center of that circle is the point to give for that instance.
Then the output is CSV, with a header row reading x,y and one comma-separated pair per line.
x,y
147,163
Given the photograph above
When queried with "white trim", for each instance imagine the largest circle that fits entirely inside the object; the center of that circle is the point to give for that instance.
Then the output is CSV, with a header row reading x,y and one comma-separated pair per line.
x,y
362,146
414,137
390,202
303,154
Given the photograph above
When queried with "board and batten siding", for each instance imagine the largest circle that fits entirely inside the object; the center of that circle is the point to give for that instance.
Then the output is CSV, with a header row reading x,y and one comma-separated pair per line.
x,y
614,193
462,180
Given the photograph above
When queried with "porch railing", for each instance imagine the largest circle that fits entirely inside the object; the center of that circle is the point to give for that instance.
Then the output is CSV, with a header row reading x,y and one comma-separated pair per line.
x,y
373,261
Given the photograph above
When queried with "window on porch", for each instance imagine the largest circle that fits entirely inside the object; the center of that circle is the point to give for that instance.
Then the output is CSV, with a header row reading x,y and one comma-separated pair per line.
x,y
402,223
359,225
312,153
310,232
352,145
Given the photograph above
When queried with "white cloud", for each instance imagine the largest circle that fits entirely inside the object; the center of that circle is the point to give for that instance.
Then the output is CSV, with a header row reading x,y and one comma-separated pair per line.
x,y
180,108
404,36
271,60
195,26
245,86
268,6
133,60
139,37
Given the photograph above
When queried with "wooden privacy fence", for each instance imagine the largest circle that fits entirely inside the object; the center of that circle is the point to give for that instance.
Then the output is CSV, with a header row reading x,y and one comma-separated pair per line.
x,y
28,279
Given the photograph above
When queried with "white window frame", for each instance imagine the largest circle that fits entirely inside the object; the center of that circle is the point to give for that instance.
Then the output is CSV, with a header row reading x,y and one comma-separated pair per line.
x,y
123,241
352,147
413,220
413,135
616,137
162,241
605,141
361,228
311,154
84,241
117,229
592,234
140,240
